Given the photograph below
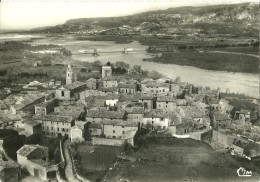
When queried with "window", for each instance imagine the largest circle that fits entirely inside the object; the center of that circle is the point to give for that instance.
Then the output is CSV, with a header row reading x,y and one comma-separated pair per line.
x,y
163,90
67,130
114,131
51,128
123,126
62,93
114,136
123,132
58,129
63,129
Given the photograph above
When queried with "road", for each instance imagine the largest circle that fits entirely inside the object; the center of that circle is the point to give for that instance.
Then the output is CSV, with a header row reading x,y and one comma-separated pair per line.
x,y
238,53
68,169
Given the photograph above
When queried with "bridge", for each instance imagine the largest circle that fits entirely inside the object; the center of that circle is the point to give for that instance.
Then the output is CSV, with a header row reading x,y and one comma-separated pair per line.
x,y
97,53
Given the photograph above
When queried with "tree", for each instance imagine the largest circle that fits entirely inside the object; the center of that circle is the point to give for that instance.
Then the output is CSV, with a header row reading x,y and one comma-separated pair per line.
x,y
155,75
120,64
97,63
137,69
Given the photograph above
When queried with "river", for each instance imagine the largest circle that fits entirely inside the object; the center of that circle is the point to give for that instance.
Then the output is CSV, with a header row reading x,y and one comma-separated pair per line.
x,y
109,51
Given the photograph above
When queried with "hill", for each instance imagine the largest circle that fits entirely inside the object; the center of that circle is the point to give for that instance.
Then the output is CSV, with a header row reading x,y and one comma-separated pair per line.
x,y
172,159
229,20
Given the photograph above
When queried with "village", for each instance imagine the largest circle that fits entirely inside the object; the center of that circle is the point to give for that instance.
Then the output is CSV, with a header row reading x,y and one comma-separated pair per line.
x,y
54,128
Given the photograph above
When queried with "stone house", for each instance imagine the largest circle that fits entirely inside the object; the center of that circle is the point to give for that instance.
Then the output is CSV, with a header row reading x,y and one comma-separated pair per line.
x,y
186,126
34,159
155,88
109,82
111,99
147,101
53,125
166,103
70,91
99,116
91,83
191,112
221,121
111,90
27,103
32,127
243,114
106,71
75,111
135,114
117,129
45,108
202,106
127,89
156,119
95,129
77,133
225,139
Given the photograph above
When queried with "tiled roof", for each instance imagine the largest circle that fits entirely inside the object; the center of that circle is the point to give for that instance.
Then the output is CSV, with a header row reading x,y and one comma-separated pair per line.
x,y
220,116
95,125
108,89
166,99
121,85
41,162
32,122
155,114
120,123
27,149
191,112
53,118
45,104
158,85
136,110
106,114
28,99
74,85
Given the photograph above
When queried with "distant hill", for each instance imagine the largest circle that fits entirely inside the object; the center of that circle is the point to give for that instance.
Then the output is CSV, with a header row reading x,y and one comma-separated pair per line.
x,y
235,19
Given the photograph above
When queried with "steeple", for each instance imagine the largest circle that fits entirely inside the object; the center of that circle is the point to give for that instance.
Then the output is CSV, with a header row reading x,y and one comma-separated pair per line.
x,y
69,75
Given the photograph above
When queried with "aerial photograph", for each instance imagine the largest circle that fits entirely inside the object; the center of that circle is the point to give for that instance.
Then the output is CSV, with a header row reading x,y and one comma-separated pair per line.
x,y
129,91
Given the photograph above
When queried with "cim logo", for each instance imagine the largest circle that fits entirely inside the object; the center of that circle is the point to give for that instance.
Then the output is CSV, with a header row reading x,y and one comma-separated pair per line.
x,y
243,172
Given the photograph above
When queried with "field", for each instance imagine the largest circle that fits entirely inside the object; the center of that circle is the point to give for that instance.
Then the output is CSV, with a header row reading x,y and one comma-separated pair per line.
x,y
95,160
211,61
180,160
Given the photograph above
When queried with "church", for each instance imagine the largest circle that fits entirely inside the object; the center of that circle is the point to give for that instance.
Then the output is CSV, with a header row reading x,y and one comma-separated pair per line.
x,y
71,90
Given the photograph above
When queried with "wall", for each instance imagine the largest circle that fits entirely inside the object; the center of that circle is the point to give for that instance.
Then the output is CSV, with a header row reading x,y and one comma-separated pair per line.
x,y
53,128
157,123
66,94
135,117
111,102
111,131
225,140
169,106
29,166
149,103
106,141
76,135
110,83
129,91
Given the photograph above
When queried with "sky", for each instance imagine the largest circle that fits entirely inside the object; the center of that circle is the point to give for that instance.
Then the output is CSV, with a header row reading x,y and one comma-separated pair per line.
x,y
26,14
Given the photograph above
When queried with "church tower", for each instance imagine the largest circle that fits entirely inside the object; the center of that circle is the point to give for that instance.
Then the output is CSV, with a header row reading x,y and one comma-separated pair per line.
x,y
69,75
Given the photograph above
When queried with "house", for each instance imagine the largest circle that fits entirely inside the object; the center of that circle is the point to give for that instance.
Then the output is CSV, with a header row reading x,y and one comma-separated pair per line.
x,y
75,111
135,114
109,82
10,171
225,107
77,133
155,88
186,126
35,160
191,112
106,71
117,129
45,108
111,99
95,129
127,88
156,120
91,83
243,114
181,102
221,120
99,116
147,101
166,103
111,90
202,106
70,91
223,138
27,103
53,125
32,127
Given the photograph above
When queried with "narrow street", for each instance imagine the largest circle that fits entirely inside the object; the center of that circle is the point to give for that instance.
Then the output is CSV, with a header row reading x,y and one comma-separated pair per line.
x,y
68,169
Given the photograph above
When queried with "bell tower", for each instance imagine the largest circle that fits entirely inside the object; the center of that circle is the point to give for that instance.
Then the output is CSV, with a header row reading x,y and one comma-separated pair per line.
x,y
69,75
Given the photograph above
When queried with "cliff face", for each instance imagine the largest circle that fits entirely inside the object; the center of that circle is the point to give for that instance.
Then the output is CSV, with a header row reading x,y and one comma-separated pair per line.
x,y
236,19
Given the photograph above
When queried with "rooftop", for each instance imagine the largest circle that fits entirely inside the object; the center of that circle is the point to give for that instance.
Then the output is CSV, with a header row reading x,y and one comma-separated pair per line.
x,y
120,123
166,99
27,149
121,85
158,85
106,114
136,110
45,104
191,112
220,116
32,123
9,164
155,114
54,118
74,85
108,89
